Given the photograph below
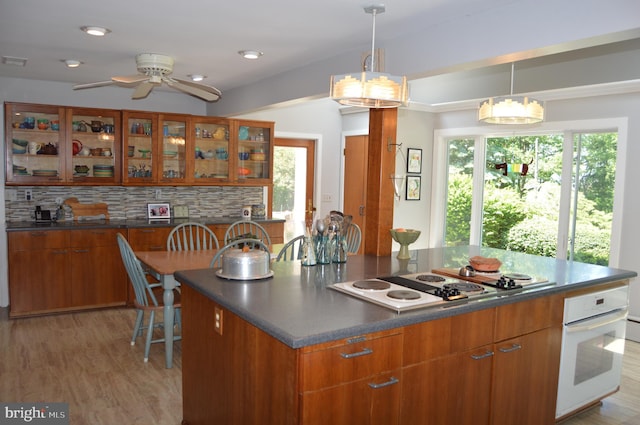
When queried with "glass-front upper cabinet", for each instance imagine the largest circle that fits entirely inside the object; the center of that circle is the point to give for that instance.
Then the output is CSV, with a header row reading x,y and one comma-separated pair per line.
x,y
139,147
95,144
210,149
172,152
34,144
254,151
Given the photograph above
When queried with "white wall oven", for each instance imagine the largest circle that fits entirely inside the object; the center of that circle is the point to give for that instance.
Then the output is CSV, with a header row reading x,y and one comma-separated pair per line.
x,y
592,348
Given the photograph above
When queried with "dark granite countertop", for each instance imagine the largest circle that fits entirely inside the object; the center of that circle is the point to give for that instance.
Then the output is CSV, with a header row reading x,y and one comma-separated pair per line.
x,y
123,224
297,306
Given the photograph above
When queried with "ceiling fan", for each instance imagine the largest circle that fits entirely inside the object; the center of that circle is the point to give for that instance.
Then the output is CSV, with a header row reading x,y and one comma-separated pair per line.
x,y
156,69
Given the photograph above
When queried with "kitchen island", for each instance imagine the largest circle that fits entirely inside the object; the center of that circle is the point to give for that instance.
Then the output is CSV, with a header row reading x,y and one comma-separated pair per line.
x,y
291,350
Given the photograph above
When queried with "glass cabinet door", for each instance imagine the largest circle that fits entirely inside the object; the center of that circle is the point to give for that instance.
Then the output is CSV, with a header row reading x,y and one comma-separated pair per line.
x,y
254,151
211,149
35,144
173,148
95,145
138,146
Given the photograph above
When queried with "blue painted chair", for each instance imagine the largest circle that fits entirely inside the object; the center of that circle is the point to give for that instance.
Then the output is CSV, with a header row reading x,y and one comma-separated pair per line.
x,y
148,299
246,229
191,237
216,262
292,250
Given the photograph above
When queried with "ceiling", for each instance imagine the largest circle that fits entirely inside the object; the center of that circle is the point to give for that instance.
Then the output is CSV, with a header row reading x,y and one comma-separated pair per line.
x,y
204,36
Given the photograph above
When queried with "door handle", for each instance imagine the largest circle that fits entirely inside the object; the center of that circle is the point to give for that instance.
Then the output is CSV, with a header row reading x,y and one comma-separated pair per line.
x,y
361,210
482,356
364,352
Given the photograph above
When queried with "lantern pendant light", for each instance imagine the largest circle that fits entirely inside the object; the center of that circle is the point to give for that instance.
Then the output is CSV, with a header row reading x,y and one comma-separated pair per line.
x,y
370,89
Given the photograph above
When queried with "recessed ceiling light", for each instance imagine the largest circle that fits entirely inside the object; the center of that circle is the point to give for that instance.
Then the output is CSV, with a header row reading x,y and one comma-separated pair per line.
x,y
97,31
196,77
250,54
72,63
12,60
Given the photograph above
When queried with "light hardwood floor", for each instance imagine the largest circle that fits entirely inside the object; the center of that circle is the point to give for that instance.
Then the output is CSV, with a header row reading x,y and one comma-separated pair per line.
x,y
85,359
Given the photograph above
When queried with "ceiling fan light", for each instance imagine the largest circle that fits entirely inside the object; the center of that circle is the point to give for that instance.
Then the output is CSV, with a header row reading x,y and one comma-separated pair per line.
x,y
96,31
196,77
511,110
250,54
72,63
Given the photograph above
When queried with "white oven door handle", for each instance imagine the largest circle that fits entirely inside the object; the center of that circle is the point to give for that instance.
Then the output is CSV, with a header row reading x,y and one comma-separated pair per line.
x,y
608,319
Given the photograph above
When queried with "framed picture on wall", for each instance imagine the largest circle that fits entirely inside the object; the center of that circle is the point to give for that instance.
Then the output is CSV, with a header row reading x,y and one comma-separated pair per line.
x,y
414,161
413,188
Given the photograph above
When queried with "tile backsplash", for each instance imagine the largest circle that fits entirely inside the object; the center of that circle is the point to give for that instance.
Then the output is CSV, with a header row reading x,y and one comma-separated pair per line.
x,y
130,203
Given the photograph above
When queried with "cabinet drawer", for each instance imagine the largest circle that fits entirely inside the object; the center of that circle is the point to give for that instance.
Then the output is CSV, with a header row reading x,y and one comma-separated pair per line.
x,y
149,239
357,359
95,237
37,240
528,316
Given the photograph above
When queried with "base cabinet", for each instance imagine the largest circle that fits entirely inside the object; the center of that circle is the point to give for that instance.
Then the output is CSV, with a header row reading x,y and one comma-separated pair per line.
x,y
57,271
442,372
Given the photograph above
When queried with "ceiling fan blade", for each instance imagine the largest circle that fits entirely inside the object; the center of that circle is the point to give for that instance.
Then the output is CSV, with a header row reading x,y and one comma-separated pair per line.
x,y
142,90
92,85
130,79
203,91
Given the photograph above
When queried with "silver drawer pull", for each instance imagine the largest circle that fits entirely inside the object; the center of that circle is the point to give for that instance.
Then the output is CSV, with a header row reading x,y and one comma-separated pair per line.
x,y
482,356
391,381
358,354
513,347
80,250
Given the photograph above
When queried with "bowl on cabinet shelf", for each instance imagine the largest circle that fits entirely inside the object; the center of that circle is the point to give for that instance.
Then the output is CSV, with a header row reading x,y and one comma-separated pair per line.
x,y
244,156
258,156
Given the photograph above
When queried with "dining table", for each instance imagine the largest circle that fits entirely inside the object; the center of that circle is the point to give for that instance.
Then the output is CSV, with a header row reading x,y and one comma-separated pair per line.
x,y
162,265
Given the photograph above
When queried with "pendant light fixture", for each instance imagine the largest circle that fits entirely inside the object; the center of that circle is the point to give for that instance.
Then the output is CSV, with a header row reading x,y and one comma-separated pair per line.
x,y
511,109
368,88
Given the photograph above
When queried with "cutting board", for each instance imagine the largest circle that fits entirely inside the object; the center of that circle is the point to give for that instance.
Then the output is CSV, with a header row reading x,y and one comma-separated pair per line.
x,y
478,278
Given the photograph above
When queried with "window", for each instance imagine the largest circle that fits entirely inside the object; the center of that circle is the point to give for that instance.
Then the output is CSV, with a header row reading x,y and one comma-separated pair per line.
x,y
549,194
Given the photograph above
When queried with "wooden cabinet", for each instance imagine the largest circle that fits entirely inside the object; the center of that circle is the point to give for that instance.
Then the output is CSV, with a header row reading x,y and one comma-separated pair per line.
x,y
447,369
254,147
66,270
494,366
175,149
233,373
213,156
39,272
356,380
89,146
139,145
484,367
529,339
93,143
149,238
44,145
98,276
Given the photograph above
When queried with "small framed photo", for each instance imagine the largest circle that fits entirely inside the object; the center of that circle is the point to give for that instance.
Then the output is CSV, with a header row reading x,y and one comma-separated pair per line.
x,y
413,188
158,211
414,161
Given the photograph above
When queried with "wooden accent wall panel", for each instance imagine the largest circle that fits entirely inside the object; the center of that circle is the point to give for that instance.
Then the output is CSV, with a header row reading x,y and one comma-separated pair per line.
x,y
380,194
242,376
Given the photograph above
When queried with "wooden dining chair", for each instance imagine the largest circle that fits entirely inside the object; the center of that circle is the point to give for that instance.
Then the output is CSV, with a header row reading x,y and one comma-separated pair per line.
x,y
292,250
148,299
216,262
246,229
354,238
191,237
